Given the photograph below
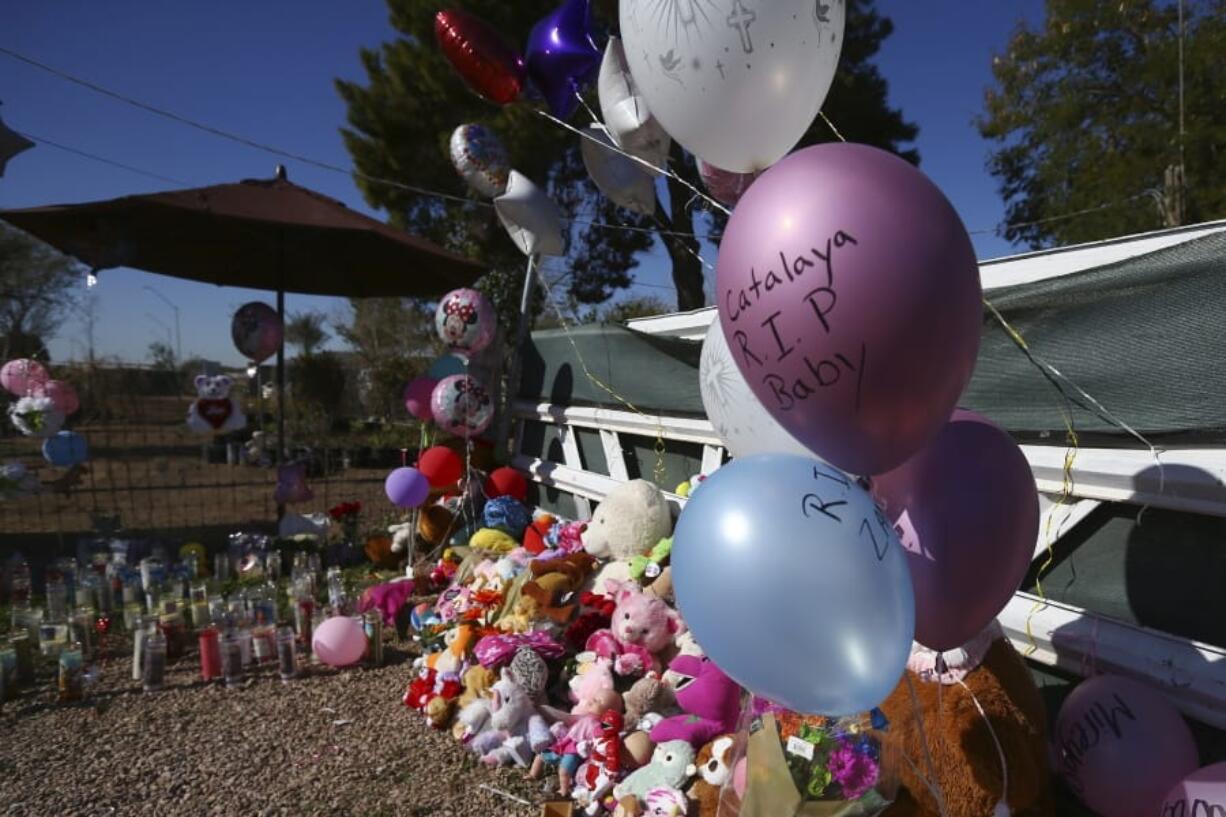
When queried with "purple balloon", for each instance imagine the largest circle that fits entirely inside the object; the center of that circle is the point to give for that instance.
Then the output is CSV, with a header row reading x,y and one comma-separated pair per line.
x,y
407,487
417,397
849,295
561,56
1201,793
1122,746
967,512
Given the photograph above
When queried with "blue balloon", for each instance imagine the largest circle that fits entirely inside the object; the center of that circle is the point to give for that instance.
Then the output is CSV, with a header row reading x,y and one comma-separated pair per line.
x,y
446,366
795,584
65,449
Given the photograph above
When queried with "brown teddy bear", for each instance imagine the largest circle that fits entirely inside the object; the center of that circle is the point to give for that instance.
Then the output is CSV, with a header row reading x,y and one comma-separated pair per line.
x,y
967,765
554,579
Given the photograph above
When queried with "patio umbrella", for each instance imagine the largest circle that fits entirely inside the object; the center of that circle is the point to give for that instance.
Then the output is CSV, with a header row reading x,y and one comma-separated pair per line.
x,y
263,234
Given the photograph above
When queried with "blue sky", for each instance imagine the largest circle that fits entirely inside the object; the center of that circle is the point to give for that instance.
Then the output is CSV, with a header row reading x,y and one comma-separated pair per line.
x,y
265,70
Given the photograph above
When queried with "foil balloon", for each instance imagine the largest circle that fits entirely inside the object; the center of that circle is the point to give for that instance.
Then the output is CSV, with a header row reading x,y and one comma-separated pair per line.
x,y
462,406
626,182
625,111
724,186
465,321
65,449
740,420
417,397
481,159
530,217
1201,793
22,377
256,331
493,69
736,83
561,56
857,325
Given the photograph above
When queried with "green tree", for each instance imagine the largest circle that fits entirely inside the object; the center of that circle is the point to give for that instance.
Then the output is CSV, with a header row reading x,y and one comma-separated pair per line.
x,y
306,331
393,340
162,356
401,119
1084,119
38,287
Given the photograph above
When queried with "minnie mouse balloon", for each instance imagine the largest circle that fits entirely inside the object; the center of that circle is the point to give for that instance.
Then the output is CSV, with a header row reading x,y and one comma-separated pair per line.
x,y
561,56
256,331
482,58
736,83
22,377
462,406
625,111
62,394
465,321
481,159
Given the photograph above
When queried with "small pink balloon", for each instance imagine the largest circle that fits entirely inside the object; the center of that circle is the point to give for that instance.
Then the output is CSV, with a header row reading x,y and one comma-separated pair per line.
x,y
417,398
339,642
62,394
724,185
1122,746
465,321
22,377
1201,793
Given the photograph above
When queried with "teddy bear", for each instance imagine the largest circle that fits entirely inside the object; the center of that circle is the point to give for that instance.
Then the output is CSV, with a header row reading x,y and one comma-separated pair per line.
x,y
523,616
647,701
964,755
642,627
714,763
711,702
555,579
214,411
672,764
459,642
629,520
514,731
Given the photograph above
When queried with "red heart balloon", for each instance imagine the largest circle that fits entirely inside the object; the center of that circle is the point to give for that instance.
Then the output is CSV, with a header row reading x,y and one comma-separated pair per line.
x,y
487,63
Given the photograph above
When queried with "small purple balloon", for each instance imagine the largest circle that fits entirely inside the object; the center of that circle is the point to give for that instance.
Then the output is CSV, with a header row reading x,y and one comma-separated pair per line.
x,y
407,487
849,294
1201,793
1122,746
967,513
561,56
417,398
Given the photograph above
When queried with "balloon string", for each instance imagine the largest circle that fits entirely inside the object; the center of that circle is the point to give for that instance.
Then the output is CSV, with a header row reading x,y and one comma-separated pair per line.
x,y
1000,752
830,125
658,470
930,782
614,147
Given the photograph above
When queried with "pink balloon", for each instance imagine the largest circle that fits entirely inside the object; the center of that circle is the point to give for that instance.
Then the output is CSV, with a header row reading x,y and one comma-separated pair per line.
x,y
724,185
339,642
462,406
22,377
465,321
256,331
967,513
1122,746
1200,794
62,394
849,294
417,397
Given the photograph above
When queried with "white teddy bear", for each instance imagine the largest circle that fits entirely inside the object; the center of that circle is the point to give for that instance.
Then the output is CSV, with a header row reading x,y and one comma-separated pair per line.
x,y
632,518
214,411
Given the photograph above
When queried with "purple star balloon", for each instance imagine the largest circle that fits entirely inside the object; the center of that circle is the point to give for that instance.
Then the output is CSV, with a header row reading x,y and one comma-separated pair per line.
x,y
561,55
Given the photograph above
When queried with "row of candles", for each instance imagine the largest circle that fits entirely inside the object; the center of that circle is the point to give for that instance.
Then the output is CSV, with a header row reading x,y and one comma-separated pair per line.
x,y
233,633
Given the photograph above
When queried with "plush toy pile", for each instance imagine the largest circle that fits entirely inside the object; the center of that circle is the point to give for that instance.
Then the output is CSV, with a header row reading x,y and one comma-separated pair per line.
x,y
554,647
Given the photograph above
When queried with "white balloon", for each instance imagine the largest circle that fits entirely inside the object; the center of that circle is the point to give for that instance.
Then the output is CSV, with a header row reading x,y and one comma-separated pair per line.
x,y
625,111
740,420
736,82
530,217
619,177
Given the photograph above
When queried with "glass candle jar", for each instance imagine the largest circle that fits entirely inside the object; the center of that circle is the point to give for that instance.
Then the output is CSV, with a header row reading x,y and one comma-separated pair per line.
x,y
210,654
72,673
287,663
264,647
304,621
81,631
23,646
57,599
8,672
139,634
373,624
154,671
245,645
231,660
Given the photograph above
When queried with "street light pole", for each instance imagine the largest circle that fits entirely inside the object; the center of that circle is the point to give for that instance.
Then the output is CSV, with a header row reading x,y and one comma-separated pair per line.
x,y
172,305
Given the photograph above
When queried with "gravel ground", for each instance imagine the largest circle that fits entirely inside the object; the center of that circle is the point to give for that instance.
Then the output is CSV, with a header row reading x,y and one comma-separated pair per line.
x,y
333,742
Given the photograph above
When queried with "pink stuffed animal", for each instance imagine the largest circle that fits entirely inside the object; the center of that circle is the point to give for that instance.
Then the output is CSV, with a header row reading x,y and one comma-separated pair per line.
x,y
642,626
594,694
712,702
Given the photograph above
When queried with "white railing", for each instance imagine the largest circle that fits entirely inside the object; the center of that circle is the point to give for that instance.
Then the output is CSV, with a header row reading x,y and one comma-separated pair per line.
x,y
1192,674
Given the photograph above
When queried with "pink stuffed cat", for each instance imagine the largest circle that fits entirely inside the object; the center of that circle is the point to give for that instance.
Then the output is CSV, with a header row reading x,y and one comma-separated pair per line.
x,y
641,627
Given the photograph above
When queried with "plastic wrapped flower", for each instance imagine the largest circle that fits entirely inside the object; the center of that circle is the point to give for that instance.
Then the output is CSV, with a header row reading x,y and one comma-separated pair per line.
x,y
16,481
855,772
36,416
